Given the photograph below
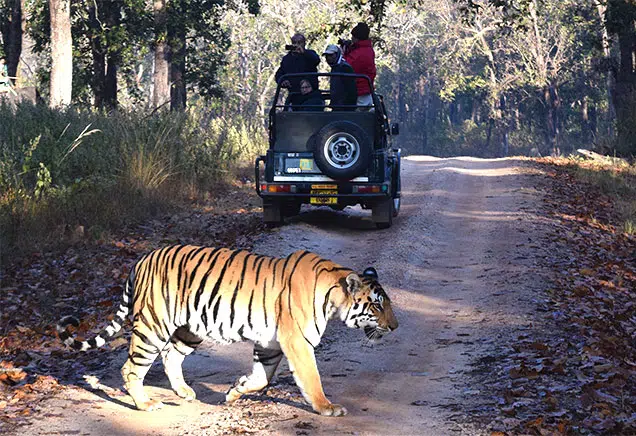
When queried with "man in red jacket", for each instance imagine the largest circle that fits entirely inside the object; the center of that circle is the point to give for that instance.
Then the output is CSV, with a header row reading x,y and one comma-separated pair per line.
x,y
360,55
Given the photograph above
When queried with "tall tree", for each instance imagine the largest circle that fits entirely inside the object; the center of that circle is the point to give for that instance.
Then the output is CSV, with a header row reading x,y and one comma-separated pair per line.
x,y
601,8
161,77
621,19
61,54
104,24
11,30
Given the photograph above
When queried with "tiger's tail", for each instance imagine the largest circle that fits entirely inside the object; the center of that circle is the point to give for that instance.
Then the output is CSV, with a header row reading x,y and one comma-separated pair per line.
x,y
106,334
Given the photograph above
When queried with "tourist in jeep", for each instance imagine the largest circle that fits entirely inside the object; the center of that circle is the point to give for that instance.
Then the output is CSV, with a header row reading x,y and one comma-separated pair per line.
x,y
342,89
297,60
311,99
360,55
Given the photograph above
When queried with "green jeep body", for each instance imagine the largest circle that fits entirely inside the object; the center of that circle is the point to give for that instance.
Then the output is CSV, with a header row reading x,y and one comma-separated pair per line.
x,y
338,157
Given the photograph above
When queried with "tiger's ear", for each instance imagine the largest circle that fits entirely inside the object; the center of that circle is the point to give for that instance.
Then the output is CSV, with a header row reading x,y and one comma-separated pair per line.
x,y
353,283
370,272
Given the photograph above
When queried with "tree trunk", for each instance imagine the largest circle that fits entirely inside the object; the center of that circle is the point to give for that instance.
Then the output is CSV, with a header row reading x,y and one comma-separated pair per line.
x,y
401,99
178,95
626,93
503,107
99,57
601,7
61,54
626,116
551,99
12,36
585,120
161,93
491,125
621,17
25,74
426,115
113,15
592,116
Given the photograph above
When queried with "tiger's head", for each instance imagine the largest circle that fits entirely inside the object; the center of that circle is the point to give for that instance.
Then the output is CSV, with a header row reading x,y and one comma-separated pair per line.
x,y
370,306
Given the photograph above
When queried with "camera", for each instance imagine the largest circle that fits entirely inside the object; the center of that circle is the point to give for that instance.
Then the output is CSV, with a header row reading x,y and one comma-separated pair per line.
x,y
344,42
290,47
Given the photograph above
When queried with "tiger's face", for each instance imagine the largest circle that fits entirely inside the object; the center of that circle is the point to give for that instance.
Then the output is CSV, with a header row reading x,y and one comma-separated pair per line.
x,y
371,307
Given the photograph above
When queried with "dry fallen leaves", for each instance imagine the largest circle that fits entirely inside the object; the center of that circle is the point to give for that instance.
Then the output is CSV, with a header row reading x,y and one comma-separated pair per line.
x,y
86,280
580,377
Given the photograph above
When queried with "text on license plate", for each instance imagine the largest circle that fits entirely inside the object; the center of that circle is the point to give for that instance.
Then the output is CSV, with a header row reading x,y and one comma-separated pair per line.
x,y
323,200
323,191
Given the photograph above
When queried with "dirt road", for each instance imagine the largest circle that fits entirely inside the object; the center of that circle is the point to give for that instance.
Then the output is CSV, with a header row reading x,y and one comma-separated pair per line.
x,y
454,263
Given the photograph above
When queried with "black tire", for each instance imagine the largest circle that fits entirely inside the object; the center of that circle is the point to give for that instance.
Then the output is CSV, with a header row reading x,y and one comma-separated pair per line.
x,y
291,208
396,177
396,206
342,150
382,213
272,214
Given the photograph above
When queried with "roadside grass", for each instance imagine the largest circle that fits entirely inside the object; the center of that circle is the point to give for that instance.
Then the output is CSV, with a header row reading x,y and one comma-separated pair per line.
x,y
614,178
75,174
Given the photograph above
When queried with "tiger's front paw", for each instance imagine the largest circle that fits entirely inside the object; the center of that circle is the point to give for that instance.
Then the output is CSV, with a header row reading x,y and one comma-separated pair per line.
x,y
150,405
333,410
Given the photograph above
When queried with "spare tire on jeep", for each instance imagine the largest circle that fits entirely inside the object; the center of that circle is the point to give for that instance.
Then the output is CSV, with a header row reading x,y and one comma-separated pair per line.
x,y
342,150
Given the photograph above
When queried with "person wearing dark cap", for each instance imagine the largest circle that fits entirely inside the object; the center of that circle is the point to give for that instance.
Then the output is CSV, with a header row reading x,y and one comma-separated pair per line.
x,y
297,60
360,55
342,89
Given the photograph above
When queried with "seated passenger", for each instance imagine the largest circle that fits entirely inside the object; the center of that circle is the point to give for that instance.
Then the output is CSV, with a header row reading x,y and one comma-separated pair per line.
x,y
310,99
342,88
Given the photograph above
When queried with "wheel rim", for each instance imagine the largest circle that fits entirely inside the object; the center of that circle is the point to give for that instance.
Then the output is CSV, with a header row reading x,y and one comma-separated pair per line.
x,y
342,150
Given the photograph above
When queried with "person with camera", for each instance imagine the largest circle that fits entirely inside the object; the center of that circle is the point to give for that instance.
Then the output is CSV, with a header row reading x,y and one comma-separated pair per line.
x,y
297,60
360,55
342,89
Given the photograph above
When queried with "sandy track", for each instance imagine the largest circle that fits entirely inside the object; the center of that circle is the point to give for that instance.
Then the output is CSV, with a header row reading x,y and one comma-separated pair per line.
x,y
454,263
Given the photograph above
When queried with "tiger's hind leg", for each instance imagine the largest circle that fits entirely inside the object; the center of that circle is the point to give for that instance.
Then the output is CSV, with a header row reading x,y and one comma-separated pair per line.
x,y
181,344
145,346
266,361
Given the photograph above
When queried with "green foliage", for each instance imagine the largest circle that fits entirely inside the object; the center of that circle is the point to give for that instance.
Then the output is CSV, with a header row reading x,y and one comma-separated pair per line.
x,y
81,167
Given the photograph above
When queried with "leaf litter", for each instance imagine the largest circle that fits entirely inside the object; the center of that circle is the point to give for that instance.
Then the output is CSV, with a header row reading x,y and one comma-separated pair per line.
x,y
85,279
576,374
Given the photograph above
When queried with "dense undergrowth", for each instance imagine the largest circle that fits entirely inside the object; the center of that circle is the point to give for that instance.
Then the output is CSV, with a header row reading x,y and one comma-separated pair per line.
x,y
64,172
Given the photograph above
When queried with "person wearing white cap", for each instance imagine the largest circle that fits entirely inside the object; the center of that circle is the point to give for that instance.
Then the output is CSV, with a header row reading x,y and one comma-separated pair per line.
x,y
342,89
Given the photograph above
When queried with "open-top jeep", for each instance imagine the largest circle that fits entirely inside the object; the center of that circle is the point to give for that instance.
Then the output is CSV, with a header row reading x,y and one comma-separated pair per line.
x,y
337,157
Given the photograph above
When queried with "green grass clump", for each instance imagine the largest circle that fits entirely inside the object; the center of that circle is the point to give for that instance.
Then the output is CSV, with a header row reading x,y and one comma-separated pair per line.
x,y
63,169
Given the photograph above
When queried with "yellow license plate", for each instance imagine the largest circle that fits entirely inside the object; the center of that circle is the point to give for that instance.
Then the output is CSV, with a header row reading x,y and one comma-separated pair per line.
x,y
324,191
323,200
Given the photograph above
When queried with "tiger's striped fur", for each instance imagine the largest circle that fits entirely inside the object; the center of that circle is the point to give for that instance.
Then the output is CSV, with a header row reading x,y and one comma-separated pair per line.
x,y
182,294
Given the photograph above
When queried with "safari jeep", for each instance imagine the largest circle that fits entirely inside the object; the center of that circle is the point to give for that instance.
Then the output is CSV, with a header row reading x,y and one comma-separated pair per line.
x,y
332,157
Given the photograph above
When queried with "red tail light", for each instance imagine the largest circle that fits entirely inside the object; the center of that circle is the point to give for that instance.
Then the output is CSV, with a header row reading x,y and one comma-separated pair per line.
x,y
366,189
278,188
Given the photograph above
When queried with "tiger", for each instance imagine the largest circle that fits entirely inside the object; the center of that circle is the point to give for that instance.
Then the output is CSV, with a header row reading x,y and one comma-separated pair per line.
x,y
182,294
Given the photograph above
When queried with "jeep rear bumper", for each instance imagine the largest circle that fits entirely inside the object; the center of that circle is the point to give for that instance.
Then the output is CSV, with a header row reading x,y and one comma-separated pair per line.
x,y
304,189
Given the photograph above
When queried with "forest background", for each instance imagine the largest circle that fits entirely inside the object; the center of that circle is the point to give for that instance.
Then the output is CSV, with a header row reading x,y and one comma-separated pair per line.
x,y
141,104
